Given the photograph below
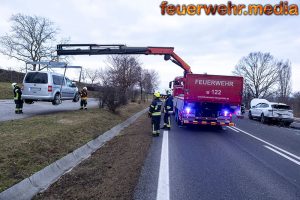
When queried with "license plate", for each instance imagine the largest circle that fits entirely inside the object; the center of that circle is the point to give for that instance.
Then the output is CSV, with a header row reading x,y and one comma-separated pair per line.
x,y
35,89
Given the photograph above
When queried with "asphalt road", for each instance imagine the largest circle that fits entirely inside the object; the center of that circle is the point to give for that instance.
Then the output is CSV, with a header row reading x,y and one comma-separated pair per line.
x,y
7,108
250,161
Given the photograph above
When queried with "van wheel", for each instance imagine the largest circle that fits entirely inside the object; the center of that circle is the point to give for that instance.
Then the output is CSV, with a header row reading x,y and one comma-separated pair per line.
x,y
76,98
250,115
28,101
56,100
287,124
263,119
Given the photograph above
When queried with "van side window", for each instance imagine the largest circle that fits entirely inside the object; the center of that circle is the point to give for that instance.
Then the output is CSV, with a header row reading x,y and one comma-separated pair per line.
x,y
69,83
58,80
36,77
258,105
264,105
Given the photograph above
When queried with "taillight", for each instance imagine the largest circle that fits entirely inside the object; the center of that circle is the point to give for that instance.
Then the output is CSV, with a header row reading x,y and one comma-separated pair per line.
x,y
49,88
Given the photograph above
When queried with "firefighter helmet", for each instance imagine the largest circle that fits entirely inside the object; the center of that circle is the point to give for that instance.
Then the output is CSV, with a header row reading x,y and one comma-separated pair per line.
x,y
157,94
85,88
13,85
169,91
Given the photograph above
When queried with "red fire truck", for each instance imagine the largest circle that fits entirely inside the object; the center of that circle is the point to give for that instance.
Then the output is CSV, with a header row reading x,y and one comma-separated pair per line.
x,y
198,98
207,99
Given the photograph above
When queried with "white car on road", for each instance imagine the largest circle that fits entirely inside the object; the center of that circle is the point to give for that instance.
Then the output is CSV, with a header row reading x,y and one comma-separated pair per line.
x,y
48,86
269,111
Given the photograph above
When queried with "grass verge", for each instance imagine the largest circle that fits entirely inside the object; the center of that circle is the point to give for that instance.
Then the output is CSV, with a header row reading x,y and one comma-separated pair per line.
x,y
6,91
112,172
28,145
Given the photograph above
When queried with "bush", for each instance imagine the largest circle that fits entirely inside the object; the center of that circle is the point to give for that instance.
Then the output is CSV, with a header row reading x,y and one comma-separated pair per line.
x,y
109,96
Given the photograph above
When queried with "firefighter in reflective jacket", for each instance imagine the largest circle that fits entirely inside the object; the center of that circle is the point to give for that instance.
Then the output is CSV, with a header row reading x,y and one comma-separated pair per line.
x,y
155,113
18,98
168,110
83,96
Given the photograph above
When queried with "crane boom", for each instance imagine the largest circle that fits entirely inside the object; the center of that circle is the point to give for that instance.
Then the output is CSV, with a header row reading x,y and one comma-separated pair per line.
x,y
107,49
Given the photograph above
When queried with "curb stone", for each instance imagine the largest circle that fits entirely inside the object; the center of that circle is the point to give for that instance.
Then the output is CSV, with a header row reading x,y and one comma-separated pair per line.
x,y
41,180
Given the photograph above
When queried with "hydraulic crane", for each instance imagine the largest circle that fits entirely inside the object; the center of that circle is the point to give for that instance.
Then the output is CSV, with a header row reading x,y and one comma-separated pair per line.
x,y
198,98
95,49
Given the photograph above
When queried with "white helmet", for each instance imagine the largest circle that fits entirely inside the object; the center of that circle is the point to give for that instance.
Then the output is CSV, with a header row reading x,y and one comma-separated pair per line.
x,y
84,88
169,91
13,85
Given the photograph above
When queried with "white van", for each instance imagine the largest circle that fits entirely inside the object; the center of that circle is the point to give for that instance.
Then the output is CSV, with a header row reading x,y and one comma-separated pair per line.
x,y
48,86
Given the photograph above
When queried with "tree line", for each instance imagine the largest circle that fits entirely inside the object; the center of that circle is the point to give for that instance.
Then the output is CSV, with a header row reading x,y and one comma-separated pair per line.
x,y
122,79
268,78
34,38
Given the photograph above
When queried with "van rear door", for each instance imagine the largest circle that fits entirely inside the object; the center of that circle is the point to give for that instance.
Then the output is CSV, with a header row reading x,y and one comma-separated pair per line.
x,y
36,83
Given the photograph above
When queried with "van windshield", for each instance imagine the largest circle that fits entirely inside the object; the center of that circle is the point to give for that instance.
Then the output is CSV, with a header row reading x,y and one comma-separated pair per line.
x,y
281,107
36,77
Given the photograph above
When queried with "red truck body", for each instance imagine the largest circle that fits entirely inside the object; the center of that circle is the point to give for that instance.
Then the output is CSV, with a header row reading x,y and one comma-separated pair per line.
x,y
207,99
213,88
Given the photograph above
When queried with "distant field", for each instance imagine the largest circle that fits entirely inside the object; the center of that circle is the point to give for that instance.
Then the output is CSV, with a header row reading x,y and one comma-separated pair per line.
x,y
6,91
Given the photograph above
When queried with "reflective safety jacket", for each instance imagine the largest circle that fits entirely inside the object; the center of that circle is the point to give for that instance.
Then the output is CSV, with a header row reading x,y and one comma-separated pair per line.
x,y
17,93
169,104
83,94
155,107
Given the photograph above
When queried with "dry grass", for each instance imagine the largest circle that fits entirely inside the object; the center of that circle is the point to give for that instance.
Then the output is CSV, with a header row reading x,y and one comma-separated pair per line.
x,y
28,145
6,91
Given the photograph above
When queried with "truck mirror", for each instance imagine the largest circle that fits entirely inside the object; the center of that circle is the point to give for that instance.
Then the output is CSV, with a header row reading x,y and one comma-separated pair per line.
x,y
170,84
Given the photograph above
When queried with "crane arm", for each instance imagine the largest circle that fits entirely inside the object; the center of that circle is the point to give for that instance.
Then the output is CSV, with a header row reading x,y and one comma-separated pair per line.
x,y
95,49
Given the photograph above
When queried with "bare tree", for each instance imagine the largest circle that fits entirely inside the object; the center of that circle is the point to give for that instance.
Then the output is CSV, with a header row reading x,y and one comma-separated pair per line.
x,y
121,79
30,39
148,81
83,75
151,81
284,80
123,72
54,57
92,74
260,73
141,82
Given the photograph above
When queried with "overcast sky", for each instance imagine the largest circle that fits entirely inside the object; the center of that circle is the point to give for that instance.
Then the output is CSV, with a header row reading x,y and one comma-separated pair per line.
x,y
210,44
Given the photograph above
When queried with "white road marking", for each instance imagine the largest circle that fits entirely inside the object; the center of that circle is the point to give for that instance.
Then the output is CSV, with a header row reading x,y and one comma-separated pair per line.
x,y
280,149
233,129
163,189
283,155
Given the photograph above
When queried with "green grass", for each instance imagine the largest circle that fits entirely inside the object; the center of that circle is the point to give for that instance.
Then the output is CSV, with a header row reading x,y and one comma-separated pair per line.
x,y
6,91
28,145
